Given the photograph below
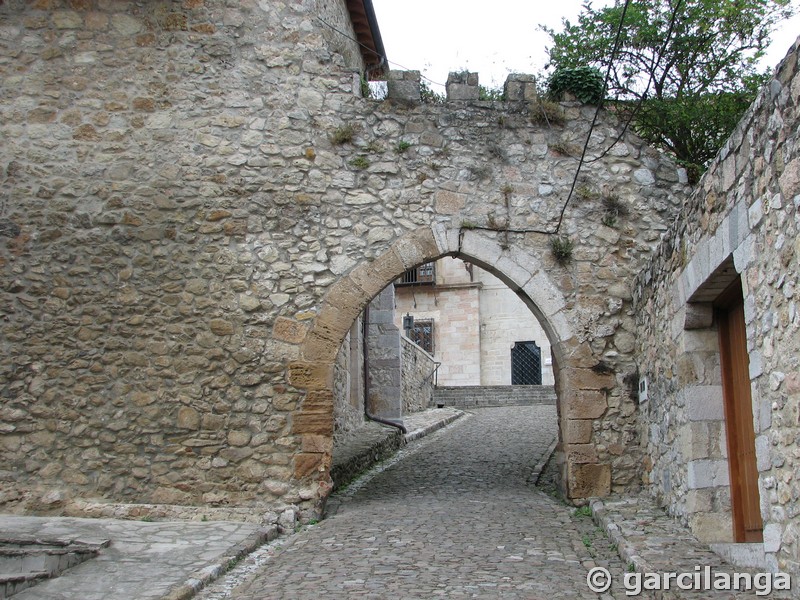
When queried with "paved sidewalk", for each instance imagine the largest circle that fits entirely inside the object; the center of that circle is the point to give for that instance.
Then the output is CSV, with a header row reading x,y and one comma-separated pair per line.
x,y
143,561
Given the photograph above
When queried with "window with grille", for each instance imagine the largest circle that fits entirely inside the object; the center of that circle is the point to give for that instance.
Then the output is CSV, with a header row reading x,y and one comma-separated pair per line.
x,y
526,364
422,334
425,273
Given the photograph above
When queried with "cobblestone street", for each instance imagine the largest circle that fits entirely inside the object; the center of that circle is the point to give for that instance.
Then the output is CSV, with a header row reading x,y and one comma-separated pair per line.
x,y
453,516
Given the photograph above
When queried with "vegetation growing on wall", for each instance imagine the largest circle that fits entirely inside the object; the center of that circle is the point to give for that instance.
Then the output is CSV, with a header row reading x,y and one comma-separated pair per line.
x,y
684,71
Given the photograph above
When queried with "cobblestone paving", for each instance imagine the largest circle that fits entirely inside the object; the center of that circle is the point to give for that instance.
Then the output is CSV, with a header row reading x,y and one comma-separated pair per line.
x,y
453,517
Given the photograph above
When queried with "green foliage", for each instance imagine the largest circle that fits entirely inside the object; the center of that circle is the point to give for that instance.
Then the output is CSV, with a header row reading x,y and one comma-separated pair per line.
x,y
585,83
429,96
468,225
561,247
491,94
695,128
402,146
613,209
583,511
694,70
343,135
546,112
360,163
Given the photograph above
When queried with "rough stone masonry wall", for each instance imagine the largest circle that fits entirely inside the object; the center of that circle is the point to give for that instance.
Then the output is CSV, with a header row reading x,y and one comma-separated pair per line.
x,y
176,203
744,215
417,379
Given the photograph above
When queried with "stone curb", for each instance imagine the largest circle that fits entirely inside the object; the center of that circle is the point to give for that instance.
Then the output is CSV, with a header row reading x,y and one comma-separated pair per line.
x,y
625,549
415,435
536,473
202,577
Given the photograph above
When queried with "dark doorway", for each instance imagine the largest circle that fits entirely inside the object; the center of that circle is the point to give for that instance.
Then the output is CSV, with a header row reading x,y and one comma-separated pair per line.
x,y
735,364
526,364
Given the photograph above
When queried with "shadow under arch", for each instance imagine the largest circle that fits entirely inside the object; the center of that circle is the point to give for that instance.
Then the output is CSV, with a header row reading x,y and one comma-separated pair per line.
x,y
581,392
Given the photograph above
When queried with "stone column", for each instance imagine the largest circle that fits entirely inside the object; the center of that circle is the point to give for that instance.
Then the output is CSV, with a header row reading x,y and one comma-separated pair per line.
x,y
385,398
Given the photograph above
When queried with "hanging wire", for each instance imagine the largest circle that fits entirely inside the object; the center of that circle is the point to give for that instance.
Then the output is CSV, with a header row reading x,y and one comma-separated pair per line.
x,y
653,65
596,114
391,62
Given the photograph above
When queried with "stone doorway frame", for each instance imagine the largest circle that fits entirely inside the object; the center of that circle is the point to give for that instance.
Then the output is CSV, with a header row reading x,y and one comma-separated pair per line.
x,y
581,392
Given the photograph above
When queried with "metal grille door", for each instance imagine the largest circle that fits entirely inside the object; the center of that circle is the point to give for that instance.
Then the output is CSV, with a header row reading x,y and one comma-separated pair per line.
x,y
526,364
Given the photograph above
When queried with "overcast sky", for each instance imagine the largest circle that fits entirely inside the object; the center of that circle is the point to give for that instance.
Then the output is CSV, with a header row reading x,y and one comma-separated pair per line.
x,y
492,38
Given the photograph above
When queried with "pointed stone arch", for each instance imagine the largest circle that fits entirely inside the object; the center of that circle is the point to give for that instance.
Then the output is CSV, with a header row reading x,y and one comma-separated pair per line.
x,y
580,390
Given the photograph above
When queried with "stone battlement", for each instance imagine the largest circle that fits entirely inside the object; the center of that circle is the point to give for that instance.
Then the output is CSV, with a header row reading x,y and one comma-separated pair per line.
x,y
404,86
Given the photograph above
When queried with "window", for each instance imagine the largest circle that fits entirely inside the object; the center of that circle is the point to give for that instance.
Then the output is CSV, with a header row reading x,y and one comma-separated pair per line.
x,y
526,364
422,334
423,274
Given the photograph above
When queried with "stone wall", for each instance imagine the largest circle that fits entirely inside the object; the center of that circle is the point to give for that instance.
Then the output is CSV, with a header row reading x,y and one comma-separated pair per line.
x,y
743,220
190,195
348,382
417,377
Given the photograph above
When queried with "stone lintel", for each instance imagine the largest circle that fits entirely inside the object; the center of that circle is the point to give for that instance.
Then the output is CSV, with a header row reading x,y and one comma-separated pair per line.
x,y
699,315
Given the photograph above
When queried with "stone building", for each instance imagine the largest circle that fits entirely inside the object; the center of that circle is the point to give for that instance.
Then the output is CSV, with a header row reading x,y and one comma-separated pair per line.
x,y
197,204
718,341
473,324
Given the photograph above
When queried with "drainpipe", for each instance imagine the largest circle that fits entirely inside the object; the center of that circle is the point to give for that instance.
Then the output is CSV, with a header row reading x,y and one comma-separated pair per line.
x,y
365,350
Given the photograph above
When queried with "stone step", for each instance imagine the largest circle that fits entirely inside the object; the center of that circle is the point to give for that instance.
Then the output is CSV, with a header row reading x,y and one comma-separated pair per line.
x,y
498,395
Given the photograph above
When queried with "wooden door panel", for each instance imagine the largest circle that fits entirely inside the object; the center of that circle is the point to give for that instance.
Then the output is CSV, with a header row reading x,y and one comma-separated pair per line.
x,y
735,365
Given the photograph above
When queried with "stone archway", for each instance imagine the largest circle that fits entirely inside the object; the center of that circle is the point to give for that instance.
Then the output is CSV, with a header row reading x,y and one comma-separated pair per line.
x,y
581,390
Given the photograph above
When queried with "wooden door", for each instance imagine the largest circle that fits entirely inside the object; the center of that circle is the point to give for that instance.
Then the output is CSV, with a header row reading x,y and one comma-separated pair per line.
x,y
735,363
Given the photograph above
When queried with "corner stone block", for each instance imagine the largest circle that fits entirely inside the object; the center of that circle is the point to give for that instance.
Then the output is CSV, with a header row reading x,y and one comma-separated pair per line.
x,y
587,379
318,400
588,480
313,423
577,431
321,345
699,315
289,330
585,404
580,453
310,376
462,87
306,464
319,444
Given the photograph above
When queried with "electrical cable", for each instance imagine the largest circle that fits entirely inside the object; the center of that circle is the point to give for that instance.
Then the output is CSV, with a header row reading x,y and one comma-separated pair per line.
x,y
653,65
596,113
391,62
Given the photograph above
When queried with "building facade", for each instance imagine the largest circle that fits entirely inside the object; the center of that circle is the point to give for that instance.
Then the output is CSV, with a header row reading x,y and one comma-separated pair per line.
x,y
474,325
